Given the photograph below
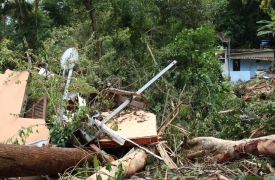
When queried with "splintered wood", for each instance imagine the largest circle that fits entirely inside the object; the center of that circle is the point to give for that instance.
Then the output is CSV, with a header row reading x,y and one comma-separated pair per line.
x,y
259,88
131,164
168,161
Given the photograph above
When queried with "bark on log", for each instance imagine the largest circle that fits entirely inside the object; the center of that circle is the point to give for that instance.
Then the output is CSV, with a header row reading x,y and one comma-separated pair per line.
x,y
20,161
131,164
225,150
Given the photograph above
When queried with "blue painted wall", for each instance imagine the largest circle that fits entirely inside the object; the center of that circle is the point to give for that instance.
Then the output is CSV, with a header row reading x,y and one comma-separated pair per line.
x,y
239,75
249,65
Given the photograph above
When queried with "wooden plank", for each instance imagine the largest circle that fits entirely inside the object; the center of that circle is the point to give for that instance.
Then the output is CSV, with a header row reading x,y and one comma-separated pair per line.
x,y
121,99
45,108
168,161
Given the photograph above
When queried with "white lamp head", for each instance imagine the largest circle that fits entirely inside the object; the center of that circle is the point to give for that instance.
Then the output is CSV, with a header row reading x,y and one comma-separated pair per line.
x,y
69,58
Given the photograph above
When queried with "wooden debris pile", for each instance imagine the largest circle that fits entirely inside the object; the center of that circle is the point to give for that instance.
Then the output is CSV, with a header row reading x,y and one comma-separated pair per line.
x,y
256,88
135,129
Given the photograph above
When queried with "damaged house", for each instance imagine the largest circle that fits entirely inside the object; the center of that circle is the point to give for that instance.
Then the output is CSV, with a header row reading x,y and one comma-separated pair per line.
x,y
245,64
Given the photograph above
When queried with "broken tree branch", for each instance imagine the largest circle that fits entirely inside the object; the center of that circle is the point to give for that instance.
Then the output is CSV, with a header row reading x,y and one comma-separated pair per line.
x,y
131,164
225,150
169,162
226,111
166,122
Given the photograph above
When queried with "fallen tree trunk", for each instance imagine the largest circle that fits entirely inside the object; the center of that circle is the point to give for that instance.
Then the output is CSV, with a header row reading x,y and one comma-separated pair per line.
x,y
131,164
20,161
224,150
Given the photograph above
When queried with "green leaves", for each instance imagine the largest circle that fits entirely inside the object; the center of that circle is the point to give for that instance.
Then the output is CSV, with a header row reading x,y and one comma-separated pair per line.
x,y
269,26
119,173
108,166
96,162
61,135
251,178
266,29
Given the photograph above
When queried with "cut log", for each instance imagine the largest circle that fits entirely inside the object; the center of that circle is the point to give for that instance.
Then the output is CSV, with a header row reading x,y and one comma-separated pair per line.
x,y
20,161
131,164
225,150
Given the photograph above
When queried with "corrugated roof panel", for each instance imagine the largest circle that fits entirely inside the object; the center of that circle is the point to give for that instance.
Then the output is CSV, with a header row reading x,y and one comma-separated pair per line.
x,y
253,58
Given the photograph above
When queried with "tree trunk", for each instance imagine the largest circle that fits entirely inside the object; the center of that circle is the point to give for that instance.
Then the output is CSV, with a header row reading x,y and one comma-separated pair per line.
x,y
131,164
224,150
23,20
36,25
20,161
91,9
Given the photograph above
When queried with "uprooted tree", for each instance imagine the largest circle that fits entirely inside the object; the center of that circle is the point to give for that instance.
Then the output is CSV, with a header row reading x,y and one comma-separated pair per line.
x,y
226,150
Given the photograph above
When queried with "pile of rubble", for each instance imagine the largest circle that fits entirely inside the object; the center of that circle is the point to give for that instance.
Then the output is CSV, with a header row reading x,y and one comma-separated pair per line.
x,y
25,119
258,88
269,73
118,143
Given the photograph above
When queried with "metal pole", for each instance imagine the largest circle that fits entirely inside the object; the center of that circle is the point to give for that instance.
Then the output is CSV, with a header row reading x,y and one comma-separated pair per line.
x,y
65,95
123,105
229,58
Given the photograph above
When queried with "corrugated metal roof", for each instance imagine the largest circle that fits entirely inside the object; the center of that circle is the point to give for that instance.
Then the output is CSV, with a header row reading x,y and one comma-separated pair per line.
x,y
253,58
253,54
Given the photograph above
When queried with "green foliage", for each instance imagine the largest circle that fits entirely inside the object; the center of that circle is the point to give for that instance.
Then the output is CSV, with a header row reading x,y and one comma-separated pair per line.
x,y
60,135
98,177
21,136
150,159
8,59
198,70
119,173
58,11
268,26
108,166
267,113
238,20
96,162
251,178
137,40
194,49
266,5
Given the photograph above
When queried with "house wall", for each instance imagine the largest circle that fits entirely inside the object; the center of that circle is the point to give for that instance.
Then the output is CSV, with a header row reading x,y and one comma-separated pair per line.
x,y
239,75
262,65
224,66
248,69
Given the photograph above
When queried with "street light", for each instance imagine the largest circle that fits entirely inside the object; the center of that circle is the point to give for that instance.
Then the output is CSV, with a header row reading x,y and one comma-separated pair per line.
x,y
225,38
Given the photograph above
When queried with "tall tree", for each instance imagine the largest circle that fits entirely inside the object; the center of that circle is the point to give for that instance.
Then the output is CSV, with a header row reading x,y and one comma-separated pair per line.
x,y
267,4
90,8
238,20
23,23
